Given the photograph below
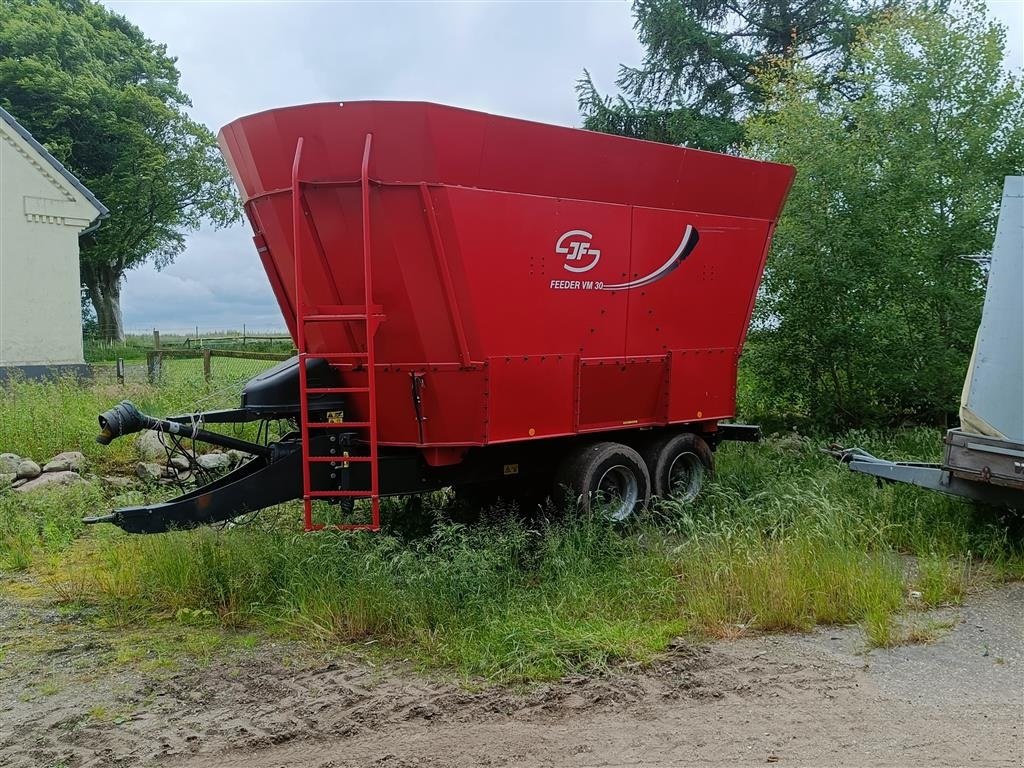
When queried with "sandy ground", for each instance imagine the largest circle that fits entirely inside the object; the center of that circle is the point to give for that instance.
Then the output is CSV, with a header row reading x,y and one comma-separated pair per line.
x,y
810,700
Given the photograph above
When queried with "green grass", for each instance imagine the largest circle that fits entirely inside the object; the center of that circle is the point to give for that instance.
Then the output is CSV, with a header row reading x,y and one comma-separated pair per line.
x,y
35,526
943,580
39,419
784,539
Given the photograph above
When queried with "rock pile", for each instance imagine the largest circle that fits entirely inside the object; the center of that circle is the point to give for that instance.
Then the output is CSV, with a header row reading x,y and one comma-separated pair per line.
x,y
24,474
158,466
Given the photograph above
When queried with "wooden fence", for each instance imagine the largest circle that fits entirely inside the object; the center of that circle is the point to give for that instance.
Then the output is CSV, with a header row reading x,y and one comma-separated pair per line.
x,y
155,359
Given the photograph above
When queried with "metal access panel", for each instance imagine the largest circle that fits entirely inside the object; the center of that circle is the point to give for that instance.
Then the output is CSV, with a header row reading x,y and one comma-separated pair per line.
x,y
984,459
620,393
993,399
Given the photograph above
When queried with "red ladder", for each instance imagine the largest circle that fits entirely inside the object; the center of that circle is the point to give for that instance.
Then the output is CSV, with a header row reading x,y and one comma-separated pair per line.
x,y
369,315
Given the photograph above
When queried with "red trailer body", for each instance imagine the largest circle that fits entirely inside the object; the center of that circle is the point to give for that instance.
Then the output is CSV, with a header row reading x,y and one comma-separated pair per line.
x,y
543,281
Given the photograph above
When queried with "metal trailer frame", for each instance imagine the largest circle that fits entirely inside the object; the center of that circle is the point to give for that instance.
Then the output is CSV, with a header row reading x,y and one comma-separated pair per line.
x,y
983,469
274,474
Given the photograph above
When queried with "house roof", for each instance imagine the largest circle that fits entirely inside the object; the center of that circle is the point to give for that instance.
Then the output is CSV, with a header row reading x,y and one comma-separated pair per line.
x,y
8,118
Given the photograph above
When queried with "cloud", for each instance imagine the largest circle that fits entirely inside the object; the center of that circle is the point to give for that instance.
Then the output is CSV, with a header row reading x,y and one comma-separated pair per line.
x,y
217,284
518,59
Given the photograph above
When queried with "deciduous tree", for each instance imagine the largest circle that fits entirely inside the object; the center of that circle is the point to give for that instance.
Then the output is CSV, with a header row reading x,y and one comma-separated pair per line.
x,y
105,100
872,298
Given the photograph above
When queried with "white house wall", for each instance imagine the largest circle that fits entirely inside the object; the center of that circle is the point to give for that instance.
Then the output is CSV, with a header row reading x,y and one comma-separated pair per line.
x,y
41,216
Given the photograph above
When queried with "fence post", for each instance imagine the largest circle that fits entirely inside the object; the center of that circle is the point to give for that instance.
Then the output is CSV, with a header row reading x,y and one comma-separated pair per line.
x,y
156,339
207,353
154,365
120,370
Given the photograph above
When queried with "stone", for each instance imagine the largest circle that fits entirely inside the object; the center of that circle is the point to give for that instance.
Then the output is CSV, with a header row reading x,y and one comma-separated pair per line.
x,y
214,461
69,461
237,457
51,480
118,481
9,463
149,447
180,463
6,478
148,471
28,470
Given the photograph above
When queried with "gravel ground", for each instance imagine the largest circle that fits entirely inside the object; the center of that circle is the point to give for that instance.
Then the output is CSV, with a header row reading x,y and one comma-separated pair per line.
x,y
815,699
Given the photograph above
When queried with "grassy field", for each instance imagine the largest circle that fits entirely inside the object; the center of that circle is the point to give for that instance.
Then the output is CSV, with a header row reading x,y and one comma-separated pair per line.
x,y
783,539
40,419
135,346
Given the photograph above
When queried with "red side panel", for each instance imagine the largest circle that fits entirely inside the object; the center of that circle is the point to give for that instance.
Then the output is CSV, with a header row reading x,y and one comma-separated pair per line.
x,y
614,394
523,301
530,397
541,280
703,384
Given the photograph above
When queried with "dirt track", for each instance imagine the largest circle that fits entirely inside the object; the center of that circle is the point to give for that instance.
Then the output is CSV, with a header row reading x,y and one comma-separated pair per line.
x,y
785,700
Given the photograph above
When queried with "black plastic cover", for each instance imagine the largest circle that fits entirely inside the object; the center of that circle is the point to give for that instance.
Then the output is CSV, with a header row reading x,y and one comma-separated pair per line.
x,y
276,390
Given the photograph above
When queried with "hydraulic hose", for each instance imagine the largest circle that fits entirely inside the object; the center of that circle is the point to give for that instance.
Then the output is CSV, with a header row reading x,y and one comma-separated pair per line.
x,y
125,419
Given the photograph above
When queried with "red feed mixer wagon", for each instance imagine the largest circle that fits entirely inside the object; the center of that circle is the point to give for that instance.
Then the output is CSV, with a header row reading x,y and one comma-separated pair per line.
x,y
495,305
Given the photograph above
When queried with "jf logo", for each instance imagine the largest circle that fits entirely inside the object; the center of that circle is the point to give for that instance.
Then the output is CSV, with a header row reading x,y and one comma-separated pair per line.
x,y
580,256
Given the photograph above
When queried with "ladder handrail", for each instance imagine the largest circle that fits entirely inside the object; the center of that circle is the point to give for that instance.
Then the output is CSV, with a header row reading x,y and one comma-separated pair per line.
x,y
300,334
372,322
370,314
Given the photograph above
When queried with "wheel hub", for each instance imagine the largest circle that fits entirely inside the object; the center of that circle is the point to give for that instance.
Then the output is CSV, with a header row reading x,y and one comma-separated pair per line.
x,y
618,492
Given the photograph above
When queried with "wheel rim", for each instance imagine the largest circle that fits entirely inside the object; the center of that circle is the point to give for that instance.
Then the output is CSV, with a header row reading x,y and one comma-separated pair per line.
x,y
685,477
617,492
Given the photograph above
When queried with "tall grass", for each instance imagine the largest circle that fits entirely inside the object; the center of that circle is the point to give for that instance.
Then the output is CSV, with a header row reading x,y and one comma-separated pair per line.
x,y
506,602
43,523
783,540
503,601
39,419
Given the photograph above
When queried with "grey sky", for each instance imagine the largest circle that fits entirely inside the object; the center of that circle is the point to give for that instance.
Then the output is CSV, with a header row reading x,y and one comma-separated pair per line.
x,y
515,58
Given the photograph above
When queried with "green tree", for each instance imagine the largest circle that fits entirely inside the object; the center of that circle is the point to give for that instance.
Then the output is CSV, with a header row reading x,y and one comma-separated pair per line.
x,y
870,304
698,76
105,101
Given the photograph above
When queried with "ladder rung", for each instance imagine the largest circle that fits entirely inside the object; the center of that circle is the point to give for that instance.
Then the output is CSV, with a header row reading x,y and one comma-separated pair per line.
x,y
335,355
337,424
334,318
347,309
339,495
334,390
346,527
341,459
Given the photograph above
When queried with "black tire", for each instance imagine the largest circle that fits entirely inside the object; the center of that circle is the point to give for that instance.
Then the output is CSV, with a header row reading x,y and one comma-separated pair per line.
x,y
679,465
605,477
